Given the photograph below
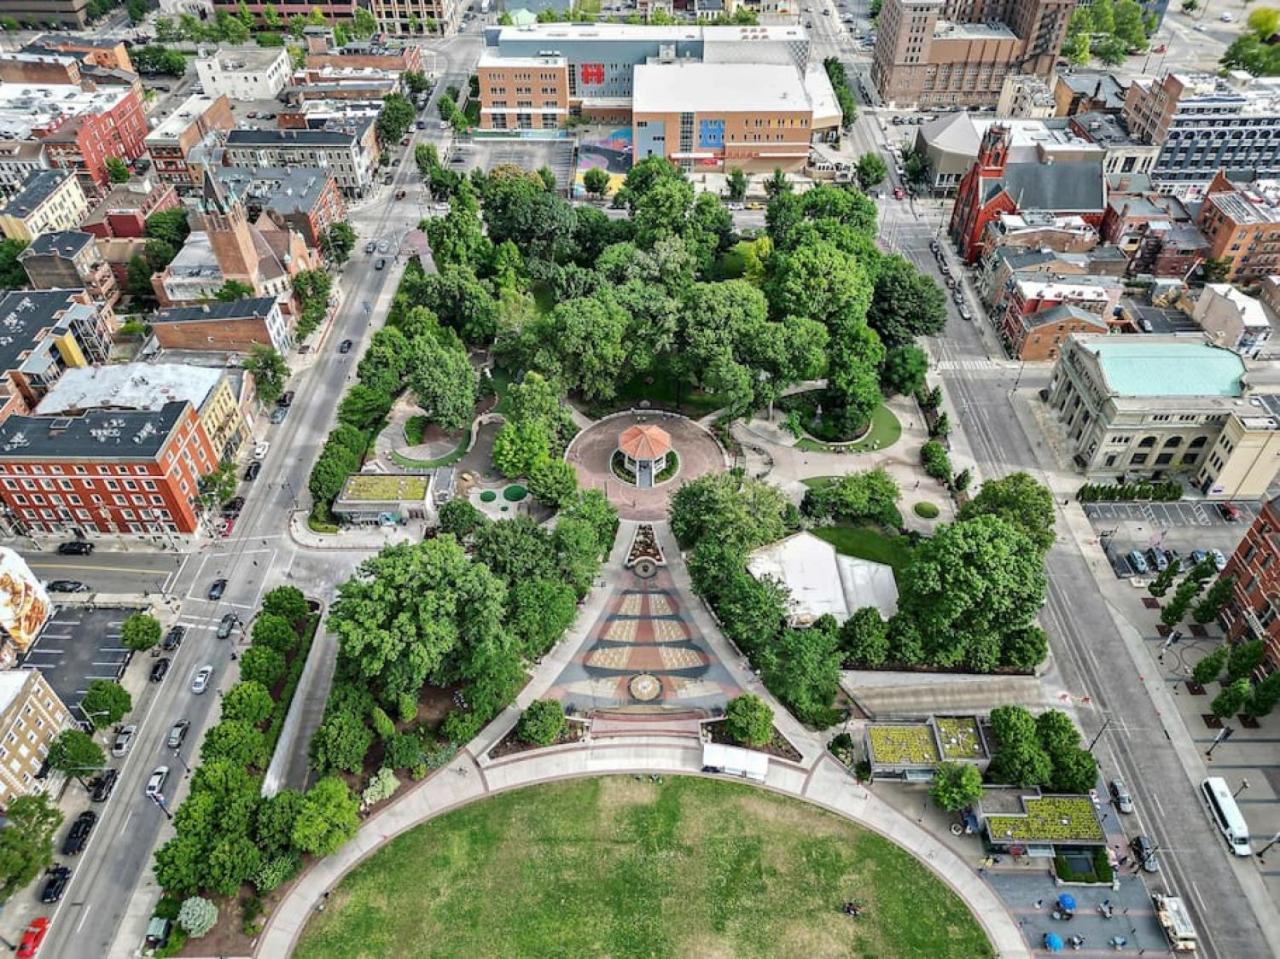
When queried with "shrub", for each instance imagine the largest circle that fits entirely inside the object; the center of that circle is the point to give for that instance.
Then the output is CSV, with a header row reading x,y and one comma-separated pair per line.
x,y
197,915
514,493
749,720
382,785
935,461
276,871
542,722
460,727
262,664
925,510
1210,668
382,724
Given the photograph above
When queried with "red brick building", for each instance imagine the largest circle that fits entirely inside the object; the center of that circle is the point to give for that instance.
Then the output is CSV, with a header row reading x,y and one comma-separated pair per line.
x,y
1000,183
124,210
1254,611
105,471
84,141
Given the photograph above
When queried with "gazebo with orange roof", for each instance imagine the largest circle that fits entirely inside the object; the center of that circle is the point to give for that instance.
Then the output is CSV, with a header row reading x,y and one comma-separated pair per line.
x,y
644,450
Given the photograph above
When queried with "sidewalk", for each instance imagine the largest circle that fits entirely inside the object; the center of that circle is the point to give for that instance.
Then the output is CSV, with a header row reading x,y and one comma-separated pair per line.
x,y
367,538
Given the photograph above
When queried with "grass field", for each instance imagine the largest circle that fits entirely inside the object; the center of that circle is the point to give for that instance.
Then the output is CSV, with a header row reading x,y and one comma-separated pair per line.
x,y
885,431
867,542
623,868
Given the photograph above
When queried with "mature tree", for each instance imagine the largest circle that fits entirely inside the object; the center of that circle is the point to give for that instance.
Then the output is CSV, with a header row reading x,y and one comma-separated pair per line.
x,y
275,632
327,818
1244,659
956,786
273,828
1210,667
197,916
553,482
821,282
1174,610
864,638
541,610
520,446
237,741
737,512
1020,759
26,841
542,722
395,118
586,345
170,225
870,170
1264,696
736,184
1074,770
906,303
12,274
777,185
595,510
443,379
596,181
969,588
248,701
459,518
1020,500
105,702
904,369
857,498
1231,699
339,240
341,742
1165,578
263,664
749,720
853,376
802,668
365,24
269,372
75,753
1265,22
117,170
1208,608
140,632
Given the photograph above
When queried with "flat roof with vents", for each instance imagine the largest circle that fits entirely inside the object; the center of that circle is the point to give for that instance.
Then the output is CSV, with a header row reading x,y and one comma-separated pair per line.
x,y
95,435
129,386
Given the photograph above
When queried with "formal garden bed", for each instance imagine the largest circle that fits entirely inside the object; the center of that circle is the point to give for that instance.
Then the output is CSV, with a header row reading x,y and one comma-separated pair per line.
x,y
815,434
513,743
650,870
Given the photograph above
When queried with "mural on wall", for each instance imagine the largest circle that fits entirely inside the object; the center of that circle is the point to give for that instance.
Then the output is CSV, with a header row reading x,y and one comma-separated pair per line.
x,y
24,606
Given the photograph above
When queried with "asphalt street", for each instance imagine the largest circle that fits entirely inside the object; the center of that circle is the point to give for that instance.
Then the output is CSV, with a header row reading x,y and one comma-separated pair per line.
x,y
1088,651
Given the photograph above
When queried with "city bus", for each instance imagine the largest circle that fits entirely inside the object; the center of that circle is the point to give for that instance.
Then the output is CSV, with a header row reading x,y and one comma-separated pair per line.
x,y
1226,814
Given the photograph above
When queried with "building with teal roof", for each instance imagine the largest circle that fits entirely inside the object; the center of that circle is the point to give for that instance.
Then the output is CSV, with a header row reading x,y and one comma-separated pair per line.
x,y
1167,407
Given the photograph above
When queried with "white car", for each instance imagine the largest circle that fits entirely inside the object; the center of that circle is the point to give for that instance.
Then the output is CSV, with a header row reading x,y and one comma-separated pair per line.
x,y
260,450
156,783
1227,17
200,682
1219,561
123,740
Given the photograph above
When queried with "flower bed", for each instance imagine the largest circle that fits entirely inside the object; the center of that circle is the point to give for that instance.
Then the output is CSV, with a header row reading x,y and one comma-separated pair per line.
x,y
959,737
902,745
1049,819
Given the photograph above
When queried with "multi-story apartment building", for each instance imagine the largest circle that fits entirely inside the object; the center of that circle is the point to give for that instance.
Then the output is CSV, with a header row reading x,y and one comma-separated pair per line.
x,y
124,210
39,68
1242,228
107,54
150,386
106,471
935,53
18,160
1088,91
50,201
1163,405
43,333
1254,609
67,260
223,327
347,149
39,13
1036,312
1204,123
417,16
199,119
305,199
31,717
244,73
1232,319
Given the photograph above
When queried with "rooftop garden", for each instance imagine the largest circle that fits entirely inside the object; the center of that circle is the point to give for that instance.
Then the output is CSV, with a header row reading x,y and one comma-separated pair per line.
x,y
959,737
381,489
1049,819
903,745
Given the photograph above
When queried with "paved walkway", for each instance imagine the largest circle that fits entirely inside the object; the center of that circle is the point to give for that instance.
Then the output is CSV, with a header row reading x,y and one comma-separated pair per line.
x,y
817,778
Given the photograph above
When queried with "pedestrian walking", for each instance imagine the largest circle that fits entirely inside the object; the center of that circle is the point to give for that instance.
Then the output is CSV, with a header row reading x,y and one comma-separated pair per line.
x,y
1039,903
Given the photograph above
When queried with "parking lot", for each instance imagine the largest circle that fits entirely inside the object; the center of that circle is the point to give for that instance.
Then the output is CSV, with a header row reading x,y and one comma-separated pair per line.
x,y
78,645
1171,515
530,155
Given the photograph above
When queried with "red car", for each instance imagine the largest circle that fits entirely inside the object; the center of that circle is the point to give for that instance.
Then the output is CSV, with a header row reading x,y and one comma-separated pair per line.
x,y
228,526
898,193
32,938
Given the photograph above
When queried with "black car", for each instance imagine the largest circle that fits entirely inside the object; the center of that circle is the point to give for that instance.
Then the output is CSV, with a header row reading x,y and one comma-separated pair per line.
x,y
286,399
67,586
78,834
217,589
103,785
345,346
159,669
77,548
173,638
229,622
233,506
59,876
252,472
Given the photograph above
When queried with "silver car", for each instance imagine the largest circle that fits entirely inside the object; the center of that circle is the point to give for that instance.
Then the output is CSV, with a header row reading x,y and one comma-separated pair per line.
x,y
124,739
1120,796
200,682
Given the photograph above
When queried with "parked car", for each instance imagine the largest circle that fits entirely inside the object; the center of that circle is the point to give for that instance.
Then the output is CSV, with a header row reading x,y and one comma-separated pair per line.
x,y
56,884
965,312
252,472
124,737
345,346
1120,796
32,937
160,669
261,449
77,548
200,681
370,246
1229,511
1198,556
278,415
229,622
228,525
1144,852
218,587
233,506
1159,561
103,785
899,193
1138,562
78,834
177,733
1219,561
67,586
957,296
286,398
173,639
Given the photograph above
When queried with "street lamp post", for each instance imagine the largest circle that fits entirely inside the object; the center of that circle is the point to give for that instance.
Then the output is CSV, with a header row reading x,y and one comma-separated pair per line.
x,y
158,799
1262,852
1099,735
1244,784
1224,734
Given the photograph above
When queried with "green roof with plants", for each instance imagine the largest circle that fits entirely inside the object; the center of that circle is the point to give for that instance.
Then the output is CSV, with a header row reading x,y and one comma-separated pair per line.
x,y
902,744
1058,819
959,737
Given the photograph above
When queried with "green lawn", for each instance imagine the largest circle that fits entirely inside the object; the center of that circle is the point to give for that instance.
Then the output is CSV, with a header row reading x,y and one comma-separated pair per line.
x,y
448,459
621,868
500,377
867,542
413,429
885,431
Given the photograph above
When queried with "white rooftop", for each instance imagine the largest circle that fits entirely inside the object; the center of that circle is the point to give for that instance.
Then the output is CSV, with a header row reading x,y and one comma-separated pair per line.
x,y
689,86
11,683
822,582
1249,310
173,125
821,94
129,386
32,106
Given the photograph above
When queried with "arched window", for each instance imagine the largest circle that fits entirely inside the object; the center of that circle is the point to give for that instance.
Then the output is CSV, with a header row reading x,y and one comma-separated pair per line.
x,y
1198,442
1172,441
1147,441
